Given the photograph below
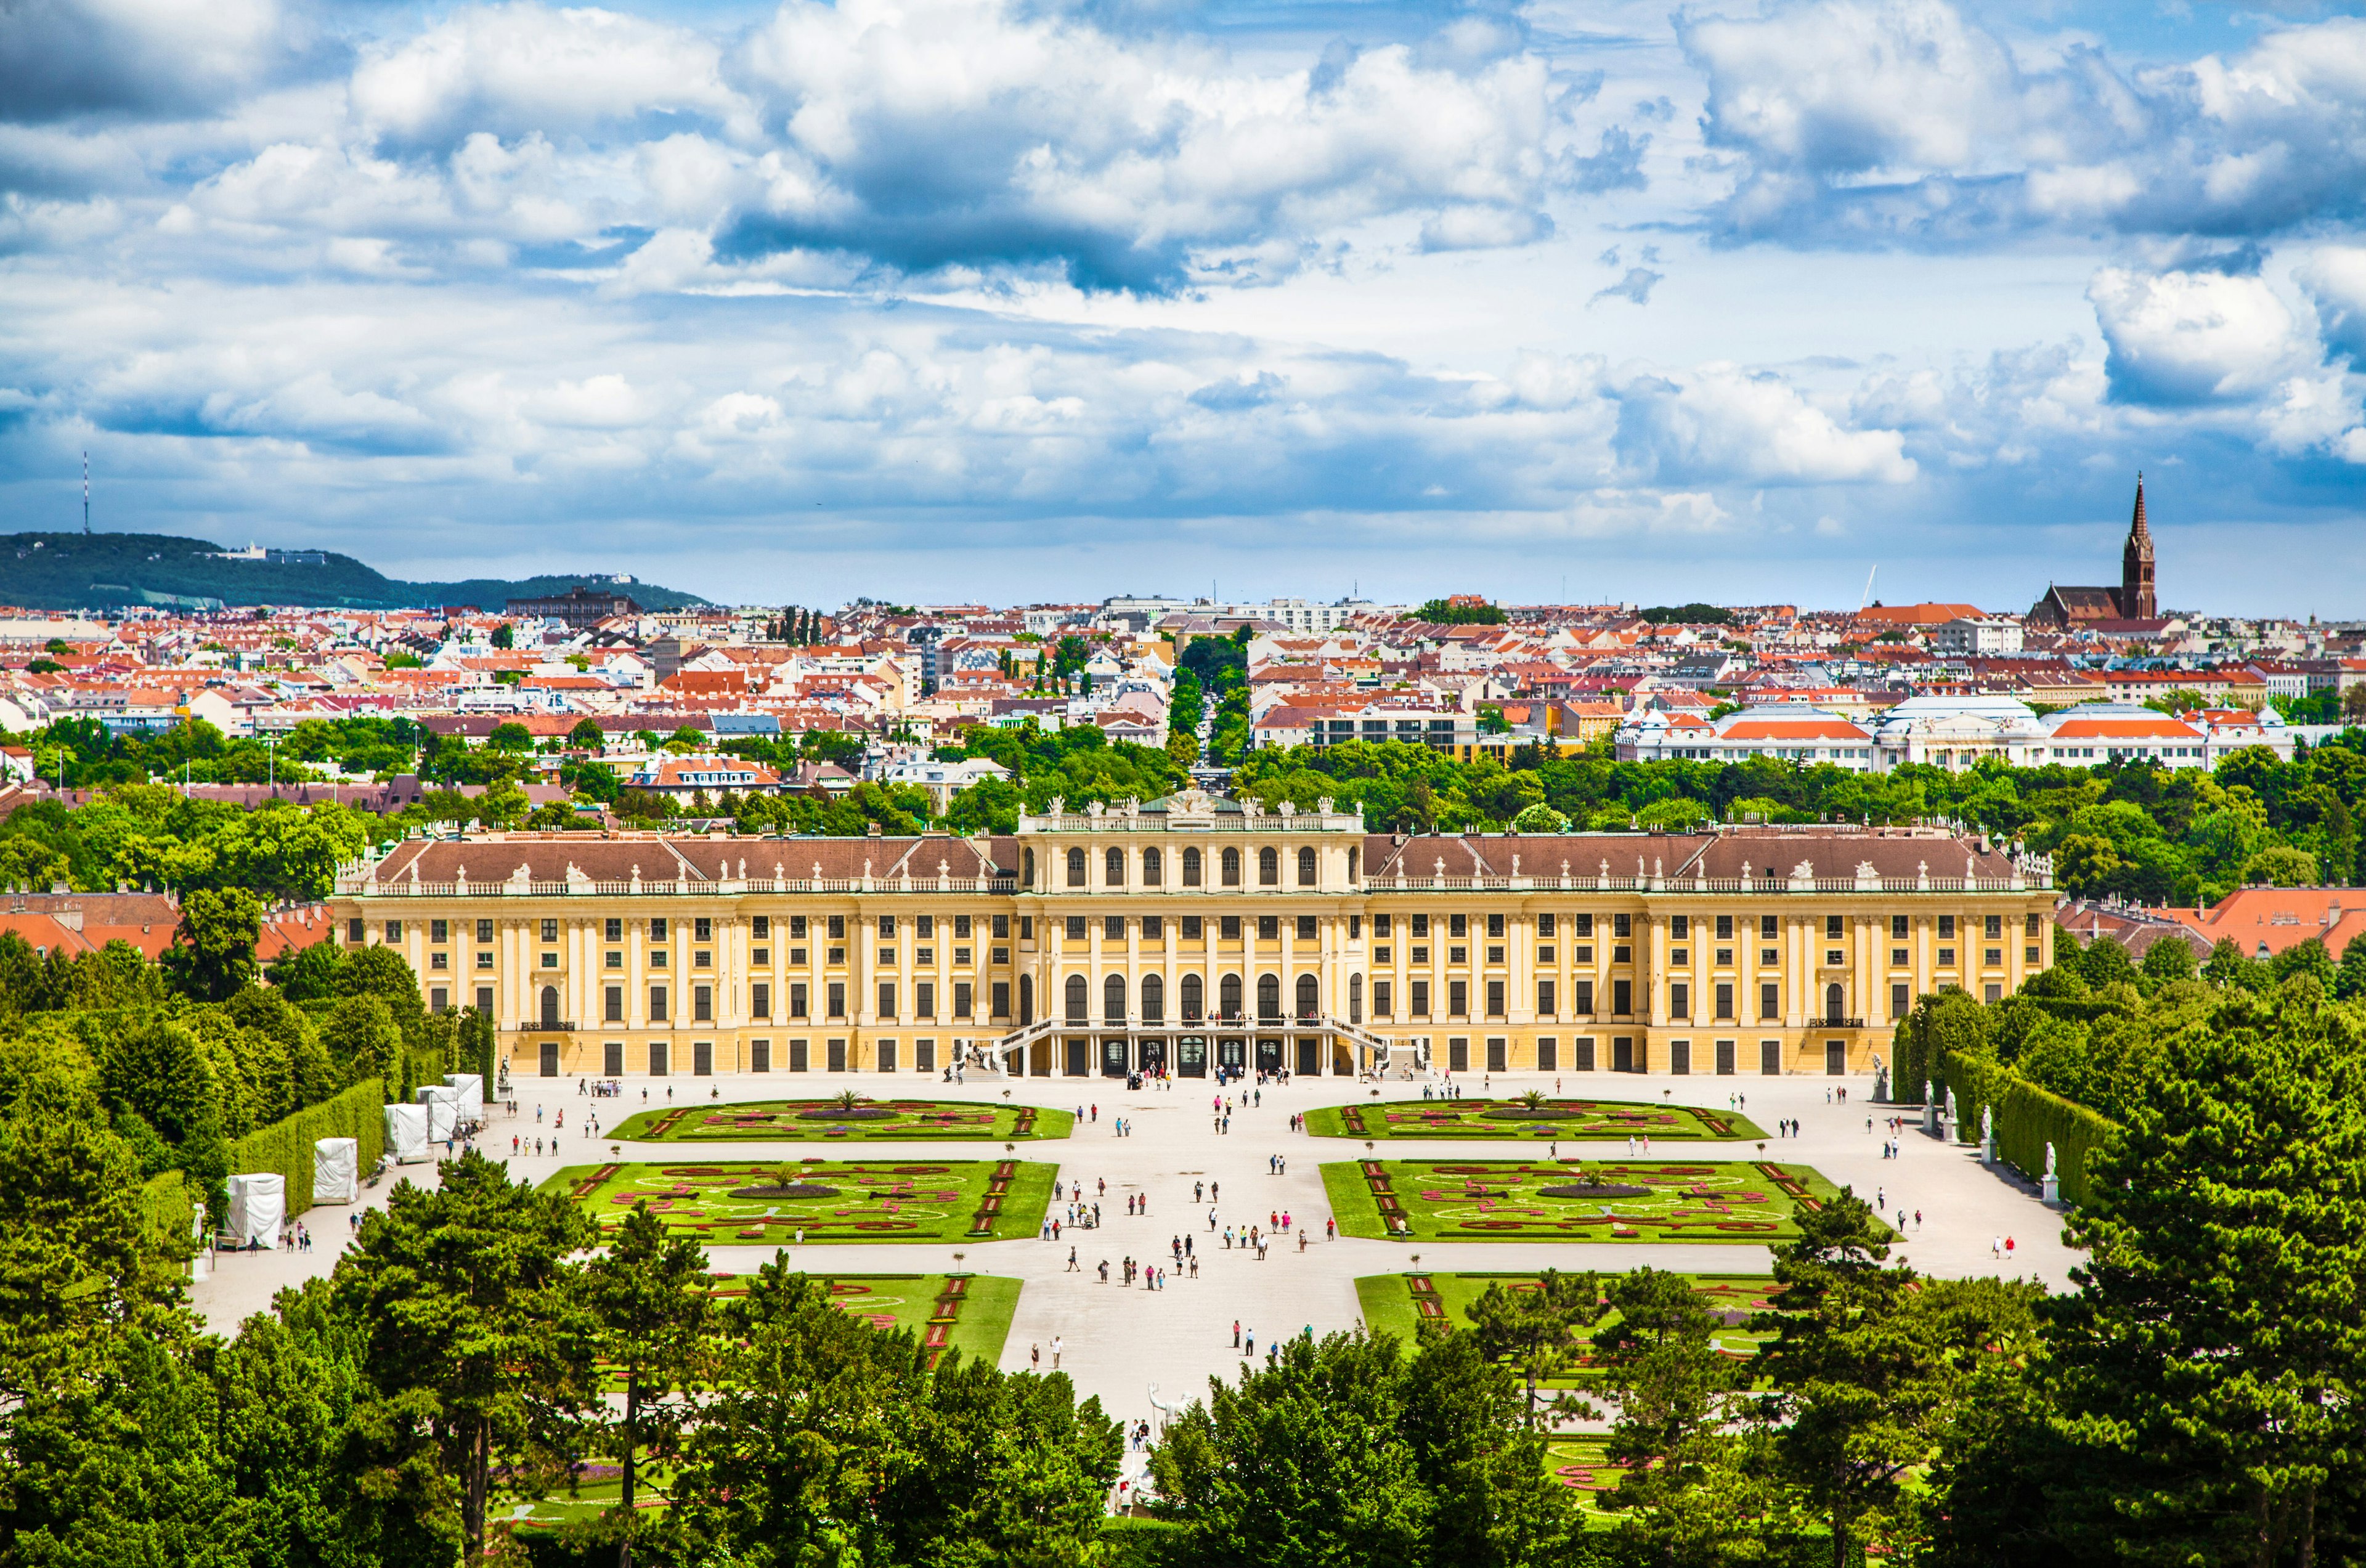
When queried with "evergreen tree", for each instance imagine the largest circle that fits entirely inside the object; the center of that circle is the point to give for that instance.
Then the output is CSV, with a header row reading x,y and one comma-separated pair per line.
x,y
649,1302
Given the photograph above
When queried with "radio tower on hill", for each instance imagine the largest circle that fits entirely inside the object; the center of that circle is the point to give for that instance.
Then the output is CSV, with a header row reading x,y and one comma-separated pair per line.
x,y
86,493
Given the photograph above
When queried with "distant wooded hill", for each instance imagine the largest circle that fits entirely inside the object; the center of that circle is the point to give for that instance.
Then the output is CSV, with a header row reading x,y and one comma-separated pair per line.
x,y
76,571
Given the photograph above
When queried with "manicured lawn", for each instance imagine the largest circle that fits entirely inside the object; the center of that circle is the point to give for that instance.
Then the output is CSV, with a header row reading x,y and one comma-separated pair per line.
x,y
1646,1201
903,1121
1397,1303
864,1200
1556,1119
969,1313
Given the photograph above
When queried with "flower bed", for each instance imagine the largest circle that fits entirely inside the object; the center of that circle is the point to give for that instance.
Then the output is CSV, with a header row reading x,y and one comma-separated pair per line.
x,y
1565,1119
1398,1303
867,1201
900,1121
1517,1201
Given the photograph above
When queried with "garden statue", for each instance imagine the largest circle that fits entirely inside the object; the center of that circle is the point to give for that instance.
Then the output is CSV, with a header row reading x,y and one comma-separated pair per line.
x,y
2050,1189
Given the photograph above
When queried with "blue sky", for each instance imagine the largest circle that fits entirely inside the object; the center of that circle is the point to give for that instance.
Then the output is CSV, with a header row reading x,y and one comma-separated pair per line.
x,y
996,299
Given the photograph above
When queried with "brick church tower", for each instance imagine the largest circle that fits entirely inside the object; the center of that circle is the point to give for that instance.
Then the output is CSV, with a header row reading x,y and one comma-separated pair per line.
x,y
2136,601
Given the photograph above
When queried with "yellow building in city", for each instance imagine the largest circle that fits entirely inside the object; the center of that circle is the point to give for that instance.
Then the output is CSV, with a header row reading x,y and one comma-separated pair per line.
x,y
1194,932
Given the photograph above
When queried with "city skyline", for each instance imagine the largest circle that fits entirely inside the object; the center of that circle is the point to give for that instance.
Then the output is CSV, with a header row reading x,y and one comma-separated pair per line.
x,y
987,301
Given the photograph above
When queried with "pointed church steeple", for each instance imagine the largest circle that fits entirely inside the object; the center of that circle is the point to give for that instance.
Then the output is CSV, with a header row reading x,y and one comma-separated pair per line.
x,y
2136,597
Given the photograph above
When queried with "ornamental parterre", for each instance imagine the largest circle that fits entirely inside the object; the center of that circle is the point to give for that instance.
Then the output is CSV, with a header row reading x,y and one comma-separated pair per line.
x,y
1401,1302
908,1121
1517,1201
872,1200
1549,1119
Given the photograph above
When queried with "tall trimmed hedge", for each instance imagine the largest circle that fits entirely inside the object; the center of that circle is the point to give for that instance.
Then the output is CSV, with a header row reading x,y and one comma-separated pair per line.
x,y
168,1208
286,1146
2027,1119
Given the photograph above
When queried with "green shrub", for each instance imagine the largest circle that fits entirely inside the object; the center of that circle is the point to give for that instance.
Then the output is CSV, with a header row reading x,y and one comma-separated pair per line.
x,y
286,1146
2027,1119
168,1213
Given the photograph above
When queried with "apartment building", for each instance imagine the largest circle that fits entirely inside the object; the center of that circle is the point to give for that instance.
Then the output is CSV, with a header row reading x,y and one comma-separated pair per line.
x,y
1194,932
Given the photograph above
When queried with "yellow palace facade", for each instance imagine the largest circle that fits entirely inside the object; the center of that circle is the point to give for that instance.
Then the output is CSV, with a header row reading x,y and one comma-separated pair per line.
x,y
1196,932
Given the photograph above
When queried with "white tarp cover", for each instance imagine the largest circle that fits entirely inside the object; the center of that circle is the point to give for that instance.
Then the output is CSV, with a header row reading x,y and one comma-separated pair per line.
x,y
443,1111
406,1132
336,1171
469,1088
257,1204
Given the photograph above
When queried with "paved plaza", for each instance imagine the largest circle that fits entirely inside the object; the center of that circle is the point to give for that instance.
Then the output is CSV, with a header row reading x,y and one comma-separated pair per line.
x,y
1121,1344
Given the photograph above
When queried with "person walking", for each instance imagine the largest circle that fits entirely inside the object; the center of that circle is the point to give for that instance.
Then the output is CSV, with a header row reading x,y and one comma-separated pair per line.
x,y
1236,1334
1034,1358
1055,1352
1072,1260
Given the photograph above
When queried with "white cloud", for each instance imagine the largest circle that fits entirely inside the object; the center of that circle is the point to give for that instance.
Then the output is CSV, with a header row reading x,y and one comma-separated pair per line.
x,y
2185,337
1721,423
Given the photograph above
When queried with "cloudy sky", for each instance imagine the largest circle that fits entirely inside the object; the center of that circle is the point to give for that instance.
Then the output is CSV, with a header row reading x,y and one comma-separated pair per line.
x,y
942,299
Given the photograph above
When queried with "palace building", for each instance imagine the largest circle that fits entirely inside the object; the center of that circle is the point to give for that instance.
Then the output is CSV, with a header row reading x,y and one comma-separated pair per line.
x,y
1196,932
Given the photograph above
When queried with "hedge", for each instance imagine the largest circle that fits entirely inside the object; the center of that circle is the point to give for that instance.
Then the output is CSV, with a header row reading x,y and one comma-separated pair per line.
x,y
286,1146
2027,1119
168,1213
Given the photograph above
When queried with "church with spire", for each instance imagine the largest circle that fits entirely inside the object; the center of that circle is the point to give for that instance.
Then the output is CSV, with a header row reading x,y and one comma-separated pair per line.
x,y
2133,601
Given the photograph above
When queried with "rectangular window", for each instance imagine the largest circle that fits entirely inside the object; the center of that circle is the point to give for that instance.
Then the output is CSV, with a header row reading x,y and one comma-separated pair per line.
x,y
1947,928
615,929
796,928
1457,998
1000,997
1075,928
762,928
1770,1058
1191,928
836,996
1495,1000
1421,999
1544,998
1380,925
658,958
1544,927
1498,1054
354,931
1680,928
439,931
701,1059
1548,1050
1154,928
834,1055
658,928
1355,928
886,1056
1584,998
1622,925
1680,1001
924,1056
1382,999
1268,928
439,960
660,1058
1725,928
1306,927
550,931
1495,927
1622,998
760,1055
928,924
1421,925
800,1056
612,1058
1458,1054
1581,1053
1766,928
924,999
1680,1058
1995,926
797,999
484,998
887,925
1001,927
440,999
1768,1003
394,930
1898,925
1724,999
1457,925
614,1012
484,958
961,993
1901,1000
837,927
1584,925
1725,1058
759,1001
887,999
656,1004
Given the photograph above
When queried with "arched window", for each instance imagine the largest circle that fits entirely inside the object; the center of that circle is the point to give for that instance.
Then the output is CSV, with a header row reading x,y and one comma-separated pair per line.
x,y
1232,868
1192,994
1355,998
1113,998
1152,871
1268,867
1268,996
550,1006
1026,999
1154,1000
1076,868
1113,868
1027,869
1835,1007
1228,996
1080,1000
1190,868
1307,1004
1306,867
1352,856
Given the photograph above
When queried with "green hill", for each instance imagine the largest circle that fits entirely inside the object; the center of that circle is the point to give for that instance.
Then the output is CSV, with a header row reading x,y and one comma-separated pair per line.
x,y
78,572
